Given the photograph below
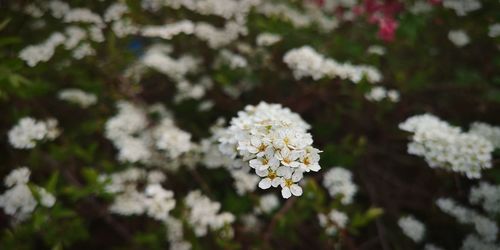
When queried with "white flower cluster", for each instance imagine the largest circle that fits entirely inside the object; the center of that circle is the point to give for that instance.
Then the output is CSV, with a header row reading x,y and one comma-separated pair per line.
x,y
267,204
153,200
473,242
267,39
18,201
458,37
488,132
380,93
333,221
138,141
376,50
485,227
28,131
228,9
233,60
204,214
412,228
83,15
462,7
175,235
338,181
420,7
157,58
298,19
34,54
494,30
445,146
78,96
306,62
273,141
486,195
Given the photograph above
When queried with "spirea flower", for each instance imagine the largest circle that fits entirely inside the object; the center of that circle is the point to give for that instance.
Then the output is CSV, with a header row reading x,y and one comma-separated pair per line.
x,y
445,146
485,227
338,181
306,62
486,195
28,131
462,7
267,39
274,142
77,96
204,214
412,228
139,192
458,37
488,132
267,204
18,200
333,221
379,93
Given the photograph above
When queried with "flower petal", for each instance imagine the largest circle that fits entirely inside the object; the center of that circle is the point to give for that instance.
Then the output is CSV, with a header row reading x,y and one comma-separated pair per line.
x,y
296,190
285,192
265,183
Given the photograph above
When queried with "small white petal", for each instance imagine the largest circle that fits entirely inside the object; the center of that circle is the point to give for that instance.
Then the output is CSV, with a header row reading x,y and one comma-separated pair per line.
x,y
265,183
296,190
285,192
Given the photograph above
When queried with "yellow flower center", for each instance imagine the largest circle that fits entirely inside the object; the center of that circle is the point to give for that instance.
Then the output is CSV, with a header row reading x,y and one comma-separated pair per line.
x,y
288,182
264,161
271,175
262,147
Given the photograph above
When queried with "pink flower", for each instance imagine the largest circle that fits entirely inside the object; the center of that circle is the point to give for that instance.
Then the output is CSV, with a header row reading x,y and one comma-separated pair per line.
x,y
387,28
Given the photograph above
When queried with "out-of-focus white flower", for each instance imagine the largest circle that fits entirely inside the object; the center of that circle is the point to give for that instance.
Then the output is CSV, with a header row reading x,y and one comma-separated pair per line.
x,y
77,96
488,132
458,37
28,131
412,228
488,196
333,221
42,52
267,204
379,93
462,7
306,62
204,214
446,146
338,181
18,201
494,30
376,50
267,39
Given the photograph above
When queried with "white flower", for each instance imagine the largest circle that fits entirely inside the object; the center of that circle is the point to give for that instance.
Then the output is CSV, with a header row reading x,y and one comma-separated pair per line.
x,y
462,7
289,178
339,181
267,204
412,228
494,30
446,146
333,221
458,37
379,93
17,176
270,178
488,132
28,131
376,50
267,39
305,62
486,195
78,96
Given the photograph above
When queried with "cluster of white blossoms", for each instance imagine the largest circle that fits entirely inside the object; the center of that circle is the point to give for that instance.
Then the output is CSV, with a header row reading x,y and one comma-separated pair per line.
x,y
204,215
274,142
488,132
267,204
42,52
420,7
18,200
298,18
486,195
494,30
134,199
458,37
376,50
306,62
338,181
267,39
78,96
462,7
26,133
333,221
484,227
140,141
412,228
380,93
233,60
446,146
175,235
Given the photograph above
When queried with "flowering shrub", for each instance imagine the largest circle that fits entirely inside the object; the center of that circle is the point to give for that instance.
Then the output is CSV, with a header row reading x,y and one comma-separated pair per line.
x,y
250,124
